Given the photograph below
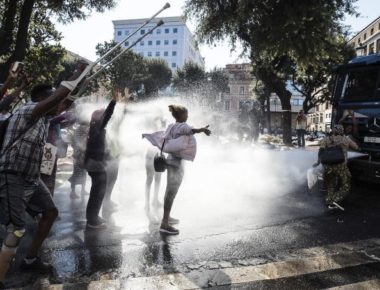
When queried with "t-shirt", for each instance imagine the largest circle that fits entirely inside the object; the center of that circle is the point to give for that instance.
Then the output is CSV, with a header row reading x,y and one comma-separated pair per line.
x,y
24,143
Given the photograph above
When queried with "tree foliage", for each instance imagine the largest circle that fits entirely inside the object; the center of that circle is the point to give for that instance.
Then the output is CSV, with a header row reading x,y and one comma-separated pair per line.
x,y
134,72
278,35
26,29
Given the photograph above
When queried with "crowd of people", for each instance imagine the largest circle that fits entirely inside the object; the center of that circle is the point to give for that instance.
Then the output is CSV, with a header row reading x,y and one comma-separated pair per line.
x,y
31,122
31,143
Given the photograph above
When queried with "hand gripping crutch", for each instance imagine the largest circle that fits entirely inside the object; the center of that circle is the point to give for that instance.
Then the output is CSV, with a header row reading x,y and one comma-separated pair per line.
x,y
89,68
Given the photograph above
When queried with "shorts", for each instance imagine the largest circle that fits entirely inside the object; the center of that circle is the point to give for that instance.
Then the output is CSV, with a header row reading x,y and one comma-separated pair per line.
x,y
18,196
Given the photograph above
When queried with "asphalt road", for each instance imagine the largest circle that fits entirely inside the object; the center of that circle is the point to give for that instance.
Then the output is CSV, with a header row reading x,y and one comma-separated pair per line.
x,y
222,248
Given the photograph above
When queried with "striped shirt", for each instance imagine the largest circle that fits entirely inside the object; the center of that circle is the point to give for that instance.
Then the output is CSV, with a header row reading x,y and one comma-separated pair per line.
x,y
24,143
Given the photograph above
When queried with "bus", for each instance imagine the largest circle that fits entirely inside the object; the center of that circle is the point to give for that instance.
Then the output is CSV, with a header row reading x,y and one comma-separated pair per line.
x,y
357,92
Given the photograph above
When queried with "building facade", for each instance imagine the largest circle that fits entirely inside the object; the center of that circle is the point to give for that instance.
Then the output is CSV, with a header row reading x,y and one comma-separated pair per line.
x,y
241,93
319,119
240,82
367,41
172,41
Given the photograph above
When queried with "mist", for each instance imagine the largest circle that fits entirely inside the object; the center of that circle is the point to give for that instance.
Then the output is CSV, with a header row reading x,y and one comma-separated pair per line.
x,y
227,177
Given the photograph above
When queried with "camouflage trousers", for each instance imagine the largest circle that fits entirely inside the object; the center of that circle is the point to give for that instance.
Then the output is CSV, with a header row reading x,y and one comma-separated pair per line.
x,y
338,182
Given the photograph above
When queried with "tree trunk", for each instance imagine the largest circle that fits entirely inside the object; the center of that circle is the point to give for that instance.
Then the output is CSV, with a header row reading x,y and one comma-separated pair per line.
x,y
7,27
22,44
269,125
287,120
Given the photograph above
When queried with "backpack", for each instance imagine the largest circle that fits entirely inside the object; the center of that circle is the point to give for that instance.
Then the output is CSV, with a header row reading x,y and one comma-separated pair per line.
x,y
332,155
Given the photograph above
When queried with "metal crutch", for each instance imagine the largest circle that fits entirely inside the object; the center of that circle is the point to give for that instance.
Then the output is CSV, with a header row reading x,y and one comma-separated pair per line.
x,y
92,65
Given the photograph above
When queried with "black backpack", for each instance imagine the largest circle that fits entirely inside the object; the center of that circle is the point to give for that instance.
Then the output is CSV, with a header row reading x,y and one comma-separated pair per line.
x,y
332,155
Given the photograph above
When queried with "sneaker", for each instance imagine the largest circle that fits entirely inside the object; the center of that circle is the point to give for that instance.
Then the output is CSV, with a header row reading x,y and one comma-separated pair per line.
x,y
98,226
173,221
36,267
338,206
169,230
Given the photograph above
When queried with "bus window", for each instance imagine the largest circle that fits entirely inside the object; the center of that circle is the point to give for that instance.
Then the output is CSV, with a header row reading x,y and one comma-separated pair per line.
x,y
361,85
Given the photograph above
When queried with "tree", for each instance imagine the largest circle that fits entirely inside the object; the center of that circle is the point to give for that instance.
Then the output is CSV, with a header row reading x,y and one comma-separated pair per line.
x,y
190,78
314,82
17,18
278,35
158,76
129,71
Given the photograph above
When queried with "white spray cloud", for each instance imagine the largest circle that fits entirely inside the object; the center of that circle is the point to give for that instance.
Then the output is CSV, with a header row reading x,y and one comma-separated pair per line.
x,y
226,178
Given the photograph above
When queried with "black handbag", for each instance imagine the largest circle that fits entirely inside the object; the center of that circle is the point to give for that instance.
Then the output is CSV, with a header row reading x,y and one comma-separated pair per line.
x,y
159,161
331,155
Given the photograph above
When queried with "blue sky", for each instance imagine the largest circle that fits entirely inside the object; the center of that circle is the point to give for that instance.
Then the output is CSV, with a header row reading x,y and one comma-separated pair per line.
x,y
81,37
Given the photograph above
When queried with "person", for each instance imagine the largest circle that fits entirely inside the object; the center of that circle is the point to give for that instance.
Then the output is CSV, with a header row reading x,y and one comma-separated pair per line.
x,y
9,102
95,162
54,138
337,177
255,117
175,169
79,143
21,189
114,150
151,174
301,124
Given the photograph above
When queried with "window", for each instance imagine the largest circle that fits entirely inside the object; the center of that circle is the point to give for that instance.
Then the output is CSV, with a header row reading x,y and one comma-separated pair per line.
x,y
227,105
327,115
241,90
174,65
119,33
175,30
166,53
372,30
241,104
359,42
157,53
158,42
365,36
174,41
166,30
174,53
126,43
158,31
327,106
378,46
149,53
126,32
371,48
166,42
142,31
141,43
150,42
361,85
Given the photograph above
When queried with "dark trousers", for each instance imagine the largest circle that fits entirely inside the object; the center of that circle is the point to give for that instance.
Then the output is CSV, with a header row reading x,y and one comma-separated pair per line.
x,y
112,168
301,137
98,190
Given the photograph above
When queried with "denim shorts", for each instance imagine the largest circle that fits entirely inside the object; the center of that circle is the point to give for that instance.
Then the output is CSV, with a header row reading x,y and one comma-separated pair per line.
x,y
18,196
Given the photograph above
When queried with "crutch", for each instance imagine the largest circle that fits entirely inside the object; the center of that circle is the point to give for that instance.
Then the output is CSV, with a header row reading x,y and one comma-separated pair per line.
x,y
89,68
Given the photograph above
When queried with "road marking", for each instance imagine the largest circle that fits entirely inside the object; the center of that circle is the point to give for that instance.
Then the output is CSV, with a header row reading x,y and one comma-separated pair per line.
x,y
275,270
367,285
299,262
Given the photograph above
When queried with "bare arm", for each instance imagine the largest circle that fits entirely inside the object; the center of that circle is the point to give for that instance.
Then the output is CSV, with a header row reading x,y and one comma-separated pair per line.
x,y
202,130
50,103
4,87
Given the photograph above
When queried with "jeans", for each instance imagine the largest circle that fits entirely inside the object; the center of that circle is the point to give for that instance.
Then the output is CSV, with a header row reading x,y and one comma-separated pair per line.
x,y
301,137
98,190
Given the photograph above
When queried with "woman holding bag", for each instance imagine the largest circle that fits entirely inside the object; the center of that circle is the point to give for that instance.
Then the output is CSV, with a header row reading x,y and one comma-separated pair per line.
x,y
181,136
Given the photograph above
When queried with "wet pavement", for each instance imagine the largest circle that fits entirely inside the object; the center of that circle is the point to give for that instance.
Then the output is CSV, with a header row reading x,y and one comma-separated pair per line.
x,y
215,235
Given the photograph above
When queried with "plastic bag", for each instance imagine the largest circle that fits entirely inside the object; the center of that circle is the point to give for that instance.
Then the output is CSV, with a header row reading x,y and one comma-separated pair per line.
x,y
312,176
